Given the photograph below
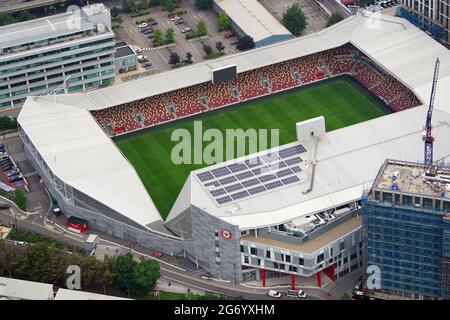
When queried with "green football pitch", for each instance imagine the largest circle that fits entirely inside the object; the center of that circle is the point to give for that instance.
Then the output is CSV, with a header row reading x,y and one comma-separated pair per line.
x,y
341,101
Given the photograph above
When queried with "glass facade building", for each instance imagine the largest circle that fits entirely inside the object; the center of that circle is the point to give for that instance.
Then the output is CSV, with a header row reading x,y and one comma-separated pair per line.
x,y
407,235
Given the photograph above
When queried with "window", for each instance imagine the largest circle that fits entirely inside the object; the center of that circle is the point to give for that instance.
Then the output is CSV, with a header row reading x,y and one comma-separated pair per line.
x,y
288,258
268,254
320,258
253,251
292,269
242,248
246,260
342,246
345,260
301,261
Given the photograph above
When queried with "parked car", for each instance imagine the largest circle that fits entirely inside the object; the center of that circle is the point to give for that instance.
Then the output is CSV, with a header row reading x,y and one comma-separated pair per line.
x,y
234,42
143,25
175,18
157,254
140,57
186,30
57,212
12,172
21,243
15,178
179,22
148,31
274,294
138,51
153,23
150,36
4,206
301,294
228,34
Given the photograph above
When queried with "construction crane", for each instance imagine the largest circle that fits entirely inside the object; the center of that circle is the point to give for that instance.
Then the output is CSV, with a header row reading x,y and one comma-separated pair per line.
x,y
427,136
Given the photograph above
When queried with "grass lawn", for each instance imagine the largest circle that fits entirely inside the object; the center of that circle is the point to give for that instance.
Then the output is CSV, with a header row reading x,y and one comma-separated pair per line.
x,y
341,101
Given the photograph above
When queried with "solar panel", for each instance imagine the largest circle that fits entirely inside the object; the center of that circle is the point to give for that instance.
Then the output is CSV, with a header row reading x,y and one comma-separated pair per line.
x,y
205,176
234,187
250,182
239,195
273,185
296,169
236,167
220,172
267,177
261,170
223,200
217,192
283,173
227,180
244,175
292,161
289,180
256,190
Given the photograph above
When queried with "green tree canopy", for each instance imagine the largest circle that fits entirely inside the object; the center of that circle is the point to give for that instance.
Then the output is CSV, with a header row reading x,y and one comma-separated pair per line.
x,y
203,4
201,28
245,43
125,266
334,18
6,19
294,20
145,275
169,5
170,35
158,37
224,22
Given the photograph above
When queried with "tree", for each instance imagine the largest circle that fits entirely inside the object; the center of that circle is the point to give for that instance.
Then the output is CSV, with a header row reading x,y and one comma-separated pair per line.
x,y
158,37
188,57
224,22
170,35
294,20
174,58
6,19
220,47
125,266
201,28
114,12
207,49
128,6
346,296
245,43
145,275
25,16
169,6
203,4
334,18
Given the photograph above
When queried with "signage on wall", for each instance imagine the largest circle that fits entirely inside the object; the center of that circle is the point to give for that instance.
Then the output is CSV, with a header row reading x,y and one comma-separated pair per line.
x,y
226,234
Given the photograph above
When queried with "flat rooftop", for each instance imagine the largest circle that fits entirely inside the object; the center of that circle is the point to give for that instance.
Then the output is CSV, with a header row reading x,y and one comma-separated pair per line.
x,y
415,178
48,27
314,244
123,52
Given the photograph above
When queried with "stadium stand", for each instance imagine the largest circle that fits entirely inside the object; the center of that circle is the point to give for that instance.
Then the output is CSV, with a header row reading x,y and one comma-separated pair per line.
x,y
192,100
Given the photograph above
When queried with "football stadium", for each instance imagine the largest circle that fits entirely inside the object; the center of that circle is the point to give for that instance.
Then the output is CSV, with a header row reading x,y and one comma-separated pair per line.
x,y
344,100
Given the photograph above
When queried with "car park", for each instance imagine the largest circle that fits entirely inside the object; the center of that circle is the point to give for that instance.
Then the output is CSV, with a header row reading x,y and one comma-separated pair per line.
x,y
274,294
148,32
186,30
178,22
4,206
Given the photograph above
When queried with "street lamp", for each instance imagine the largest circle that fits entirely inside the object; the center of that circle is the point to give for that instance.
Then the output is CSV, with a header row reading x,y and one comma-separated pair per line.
x,y
234,267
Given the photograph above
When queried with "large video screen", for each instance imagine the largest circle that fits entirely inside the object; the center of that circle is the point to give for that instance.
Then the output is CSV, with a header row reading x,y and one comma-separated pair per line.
x,y
224,74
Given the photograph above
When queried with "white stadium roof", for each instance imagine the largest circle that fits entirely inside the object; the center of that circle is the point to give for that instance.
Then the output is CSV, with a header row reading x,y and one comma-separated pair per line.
x,y
253,19
86,158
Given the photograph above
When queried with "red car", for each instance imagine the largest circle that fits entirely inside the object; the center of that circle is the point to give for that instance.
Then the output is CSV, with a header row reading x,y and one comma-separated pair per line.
x,y
77,223
229,34
157,254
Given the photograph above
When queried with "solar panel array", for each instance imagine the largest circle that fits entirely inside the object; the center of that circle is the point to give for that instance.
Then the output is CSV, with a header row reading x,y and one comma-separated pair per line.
x,y
255,175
